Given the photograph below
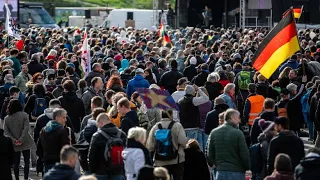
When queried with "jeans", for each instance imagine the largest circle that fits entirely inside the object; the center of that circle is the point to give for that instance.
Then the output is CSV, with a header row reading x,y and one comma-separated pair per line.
x,y
197,134
26,158
106,177
228,175
309,124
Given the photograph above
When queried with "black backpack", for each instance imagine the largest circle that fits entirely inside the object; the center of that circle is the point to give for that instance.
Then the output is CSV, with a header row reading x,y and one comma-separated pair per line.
x,y
4,93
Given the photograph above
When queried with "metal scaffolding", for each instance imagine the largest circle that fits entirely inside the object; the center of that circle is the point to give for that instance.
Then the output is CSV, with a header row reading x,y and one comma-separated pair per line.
x,y
243,14
155,16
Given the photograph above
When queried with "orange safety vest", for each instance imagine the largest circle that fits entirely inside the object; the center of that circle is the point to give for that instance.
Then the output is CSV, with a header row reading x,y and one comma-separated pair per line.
x,y
256,107
282,112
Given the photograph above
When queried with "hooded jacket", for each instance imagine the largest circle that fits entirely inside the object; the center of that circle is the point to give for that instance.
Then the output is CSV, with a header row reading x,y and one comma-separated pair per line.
x,y
256,130
285,142
34,67
61,172
190,72
309,167
75,108
201,78
169,80
128,121
52,138
43,120
137,82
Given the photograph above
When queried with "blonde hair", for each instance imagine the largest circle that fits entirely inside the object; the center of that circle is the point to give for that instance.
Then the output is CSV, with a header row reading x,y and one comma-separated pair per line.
x,y
161,172
114,111
137,133
52,53
285,72
90,177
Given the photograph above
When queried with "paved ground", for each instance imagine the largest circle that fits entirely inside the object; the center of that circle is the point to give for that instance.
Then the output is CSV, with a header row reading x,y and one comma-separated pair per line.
x,y
33,176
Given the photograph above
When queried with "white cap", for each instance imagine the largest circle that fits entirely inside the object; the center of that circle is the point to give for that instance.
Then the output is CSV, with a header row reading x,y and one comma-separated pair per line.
x,y
139,70
193,61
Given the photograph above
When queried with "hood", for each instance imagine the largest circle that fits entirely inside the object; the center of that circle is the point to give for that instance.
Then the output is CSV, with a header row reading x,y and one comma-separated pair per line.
x,y
124,65
138,78
283,175
70,96
48,112
269,116
61,171
132,115
310,162
51,126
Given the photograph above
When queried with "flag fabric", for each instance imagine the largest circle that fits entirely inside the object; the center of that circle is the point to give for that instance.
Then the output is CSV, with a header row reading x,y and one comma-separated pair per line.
x,y
19,44
277,46
157,98
161,30
165,39
9,24
85,55
296,12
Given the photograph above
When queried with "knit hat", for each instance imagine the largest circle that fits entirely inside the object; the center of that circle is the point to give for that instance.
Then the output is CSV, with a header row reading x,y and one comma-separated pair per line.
x,y
193,61
189,90
266,125
118,57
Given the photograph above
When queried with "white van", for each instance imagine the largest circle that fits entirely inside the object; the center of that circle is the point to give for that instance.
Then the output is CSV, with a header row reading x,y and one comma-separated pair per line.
x,y
143,18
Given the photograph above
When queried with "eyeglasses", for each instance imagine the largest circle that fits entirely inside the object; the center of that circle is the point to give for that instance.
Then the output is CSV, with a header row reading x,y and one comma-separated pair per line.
x,y
39,78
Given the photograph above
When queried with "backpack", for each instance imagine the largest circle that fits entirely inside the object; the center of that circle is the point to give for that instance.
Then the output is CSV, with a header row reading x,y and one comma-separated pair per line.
x,y
4,93
256,159
244,80
3,112
143,119
40,104
164,146
113,149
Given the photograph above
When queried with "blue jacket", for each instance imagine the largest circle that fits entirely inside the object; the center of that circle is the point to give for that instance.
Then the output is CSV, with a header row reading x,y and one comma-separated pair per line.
x,y
137,82
304,101
229,101
61,172
291,63
7,86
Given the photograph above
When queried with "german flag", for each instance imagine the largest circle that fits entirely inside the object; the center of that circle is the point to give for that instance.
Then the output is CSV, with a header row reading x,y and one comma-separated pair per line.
x,y
161,30
296,12
165,39
278,45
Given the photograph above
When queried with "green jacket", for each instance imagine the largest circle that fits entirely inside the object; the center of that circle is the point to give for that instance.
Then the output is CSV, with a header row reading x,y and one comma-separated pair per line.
x,y
227,149
16,65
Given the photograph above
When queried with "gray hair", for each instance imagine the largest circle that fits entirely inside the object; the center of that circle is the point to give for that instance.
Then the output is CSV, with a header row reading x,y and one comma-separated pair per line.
x,y
213,77
57,112
229,87
229,113
292,87
137,133
95,65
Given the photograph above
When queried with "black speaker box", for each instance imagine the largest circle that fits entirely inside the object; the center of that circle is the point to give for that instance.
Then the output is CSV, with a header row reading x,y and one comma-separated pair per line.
x,y
87,14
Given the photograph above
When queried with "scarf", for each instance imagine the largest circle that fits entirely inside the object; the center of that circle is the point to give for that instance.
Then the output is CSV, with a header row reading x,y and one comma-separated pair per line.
x,y
131,143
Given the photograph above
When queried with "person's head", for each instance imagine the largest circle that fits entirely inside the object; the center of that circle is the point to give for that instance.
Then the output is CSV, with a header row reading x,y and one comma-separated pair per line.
x,y
261,78
96,67
190,90
14,106
37,78
167,114
284,94
39,90
138,134
97,83
293,74
60,115
69,71
102,120
51,78
269,104
267,127
221,118
123,106
140,71
281,124
69,86
135,97
96,112
14,52
61,73
96,102
174,64
114,72
54,103
69,156
252,88
193,144
161,173
109,94
213,77
24,68
82,84
9,79
232,116
182,83
114,80
282,163
292,88
14,92
230,89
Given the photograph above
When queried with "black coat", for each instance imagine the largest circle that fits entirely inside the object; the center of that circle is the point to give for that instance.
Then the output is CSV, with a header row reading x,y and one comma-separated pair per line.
x,y
74,107
255,129
212,119
97,163
308,168
195,165
313,113
35,67
214,89
190,72
200,79
6,156
170,79
263,89
61,172
294,110
285,142
128,121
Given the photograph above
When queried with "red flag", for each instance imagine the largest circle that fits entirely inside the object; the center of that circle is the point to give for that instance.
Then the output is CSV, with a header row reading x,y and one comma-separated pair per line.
x,y
19,44
166,39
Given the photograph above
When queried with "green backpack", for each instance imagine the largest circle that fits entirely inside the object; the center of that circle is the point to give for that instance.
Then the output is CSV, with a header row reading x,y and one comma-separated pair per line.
x,y
244,80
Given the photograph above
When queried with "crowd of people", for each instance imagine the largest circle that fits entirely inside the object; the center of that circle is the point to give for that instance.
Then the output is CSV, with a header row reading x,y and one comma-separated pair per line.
x,y
232,122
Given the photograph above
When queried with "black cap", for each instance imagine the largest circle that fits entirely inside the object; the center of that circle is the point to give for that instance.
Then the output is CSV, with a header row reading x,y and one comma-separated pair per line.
x,y
284,91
